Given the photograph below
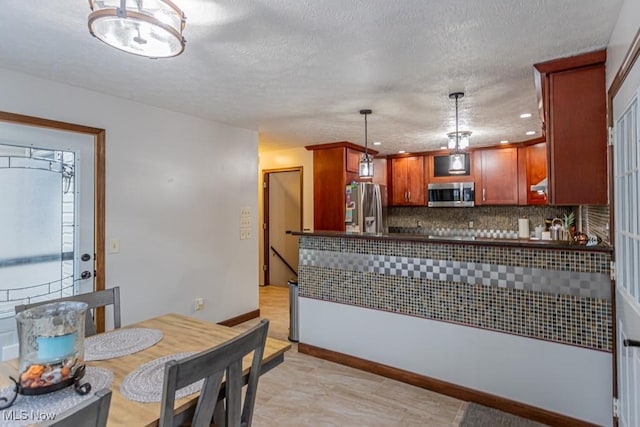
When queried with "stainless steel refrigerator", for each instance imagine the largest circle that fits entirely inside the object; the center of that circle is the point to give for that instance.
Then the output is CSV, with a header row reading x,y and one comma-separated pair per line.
x,y
366,206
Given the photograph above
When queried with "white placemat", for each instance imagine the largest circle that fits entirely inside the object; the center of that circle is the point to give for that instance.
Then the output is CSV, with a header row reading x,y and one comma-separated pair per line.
x,y
120,342
33,409
145,383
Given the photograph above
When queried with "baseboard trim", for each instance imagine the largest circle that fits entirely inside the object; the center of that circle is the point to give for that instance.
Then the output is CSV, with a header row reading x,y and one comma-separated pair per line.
x,y
459,392
240,319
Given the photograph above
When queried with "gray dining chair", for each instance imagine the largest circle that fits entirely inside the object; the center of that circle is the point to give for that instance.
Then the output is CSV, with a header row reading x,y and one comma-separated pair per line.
x,y
92,412
93,300
221,406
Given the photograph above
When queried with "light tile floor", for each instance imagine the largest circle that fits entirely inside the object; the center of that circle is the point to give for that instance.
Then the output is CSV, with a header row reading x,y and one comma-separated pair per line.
x,y
307,391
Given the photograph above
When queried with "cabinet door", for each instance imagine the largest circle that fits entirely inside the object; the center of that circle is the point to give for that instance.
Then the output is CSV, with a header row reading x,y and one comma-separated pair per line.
x,y
415,181
353,161
499,177
407,181
398,182
578,137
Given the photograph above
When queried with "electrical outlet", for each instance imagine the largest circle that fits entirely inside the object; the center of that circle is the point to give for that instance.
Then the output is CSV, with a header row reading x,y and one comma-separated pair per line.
x,y
470,224
248,233
243,234
198,304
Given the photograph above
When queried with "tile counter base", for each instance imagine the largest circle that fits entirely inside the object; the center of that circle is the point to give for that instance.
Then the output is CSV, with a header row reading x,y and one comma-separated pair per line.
x,y
564,306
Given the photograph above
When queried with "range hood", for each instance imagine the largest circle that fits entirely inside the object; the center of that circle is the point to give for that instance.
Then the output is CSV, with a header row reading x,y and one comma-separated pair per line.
x,y
540,187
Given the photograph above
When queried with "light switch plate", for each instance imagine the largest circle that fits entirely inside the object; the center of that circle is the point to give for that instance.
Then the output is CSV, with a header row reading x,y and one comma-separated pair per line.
x,y
114,246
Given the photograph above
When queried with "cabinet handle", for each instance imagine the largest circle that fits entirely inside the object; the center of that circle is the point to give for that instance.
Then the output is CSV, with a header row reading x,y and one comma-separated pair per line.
x,y
408,196
631,343
405,196
484,199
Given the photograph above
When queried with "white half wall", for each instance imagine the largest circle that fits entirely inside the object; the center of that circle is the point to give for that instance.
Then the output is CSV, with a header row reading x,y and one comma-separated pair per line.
x,y
174,188
560,378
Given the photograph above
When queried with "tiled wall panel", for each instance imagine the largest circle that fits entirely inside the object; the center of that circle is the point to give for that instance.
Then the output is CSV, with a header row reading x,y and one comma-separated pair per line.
x,y
502,289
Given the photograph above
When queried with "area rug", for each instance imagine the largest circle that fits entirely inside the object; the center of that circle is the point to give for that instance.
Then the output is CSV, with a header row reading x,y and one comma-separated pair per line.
x,y
482,416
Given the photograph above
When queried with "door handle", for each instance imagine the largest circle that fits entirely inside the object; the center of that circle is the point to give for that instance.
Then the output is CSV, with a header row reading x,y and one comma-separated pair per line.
x,y
85,274
85,257
631,343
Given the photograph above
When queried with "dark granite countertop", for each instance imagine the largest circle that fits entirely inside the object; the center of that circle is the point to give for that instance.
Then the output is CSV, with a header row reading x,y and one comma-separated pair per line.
x,y
461,240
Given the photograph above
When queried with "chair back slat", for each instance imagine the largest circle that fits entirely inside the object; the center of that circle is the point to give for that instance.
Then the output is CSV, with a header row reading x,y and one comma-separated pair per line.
x,y
211,364
93,300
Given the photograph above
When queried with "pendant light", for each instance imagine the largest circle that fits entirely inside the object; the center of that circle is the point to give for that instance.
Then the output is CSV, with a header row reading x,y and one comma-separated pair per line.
x,y
457,159
151,28
366,162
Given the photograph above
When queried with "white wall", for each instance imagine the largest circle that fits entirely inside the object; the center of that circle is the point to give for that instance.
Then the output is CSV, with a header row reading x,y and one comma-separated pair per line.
x,y
281,159
561,378
174,188
625,30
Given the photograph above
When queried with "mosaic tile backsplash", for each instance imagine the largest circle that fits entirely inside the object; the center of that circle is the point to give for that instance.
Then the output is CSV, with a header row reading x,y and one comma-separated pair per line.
x,y
483,217
556,295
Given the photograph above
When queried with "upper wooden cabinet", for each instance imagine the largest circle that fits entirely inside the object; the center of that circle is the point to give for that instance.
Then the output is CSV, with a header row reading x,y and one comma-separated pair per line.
x,y
496,176
532,170
334,166
572,92
407,185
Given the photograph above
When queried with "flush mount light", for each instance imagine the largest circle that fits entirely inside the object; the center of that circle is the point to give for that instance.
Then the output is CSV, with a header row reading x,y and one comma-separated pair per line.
x,y
366,162
531,132
504,141
525,115
457,159
151,28
377,143
401,152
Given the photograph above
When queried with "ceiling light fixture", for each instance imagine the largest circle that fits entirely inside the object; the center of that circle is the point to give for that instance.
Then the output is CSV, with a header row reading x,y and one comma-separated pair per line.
x,y
525,115
377,143
457,159
504,141
151,28
366,162
531,132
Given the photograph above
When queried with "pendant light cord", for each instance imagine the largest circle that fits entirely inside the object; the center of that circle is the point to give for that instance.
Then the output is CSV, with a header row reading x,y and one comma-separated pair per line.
x,y
457,133
366,151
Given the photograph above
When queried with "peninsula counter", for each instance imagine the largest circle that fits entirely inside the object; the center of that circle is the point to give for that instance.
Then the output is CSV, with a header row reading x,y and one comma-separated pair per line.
x,y
523,326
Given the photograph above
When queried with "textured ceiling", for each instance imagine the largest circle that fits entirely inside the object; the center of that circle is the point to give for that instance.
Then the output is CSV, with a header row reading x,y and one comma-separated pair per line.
x,y
299,71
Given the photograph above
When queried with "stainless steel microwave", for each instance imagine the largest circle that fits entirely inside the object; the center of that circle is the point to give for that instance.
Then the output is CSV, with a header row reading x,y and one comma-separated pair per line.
x,y
451,194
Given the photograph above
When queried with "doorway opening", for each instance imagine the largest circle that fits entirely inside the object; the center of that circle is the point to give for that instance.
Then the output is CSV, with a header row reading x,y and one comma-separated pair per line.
x,y
282,213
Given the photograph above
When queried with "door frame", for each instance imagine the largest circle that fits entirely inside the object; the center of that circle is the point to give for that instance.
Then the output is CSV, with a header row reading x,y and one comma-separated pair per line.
x,y
99,191
630,59
265,212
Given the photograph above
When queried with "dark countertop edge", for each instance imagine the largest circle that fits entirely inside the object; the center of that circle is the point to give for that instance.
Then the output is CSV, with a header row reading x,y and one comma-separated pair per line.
x,y
519,243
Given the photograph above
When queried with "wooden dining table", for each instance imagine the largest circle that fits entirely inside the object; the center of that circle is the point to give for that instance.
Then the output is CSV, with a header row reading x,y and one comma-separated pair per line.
x,y
180,334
